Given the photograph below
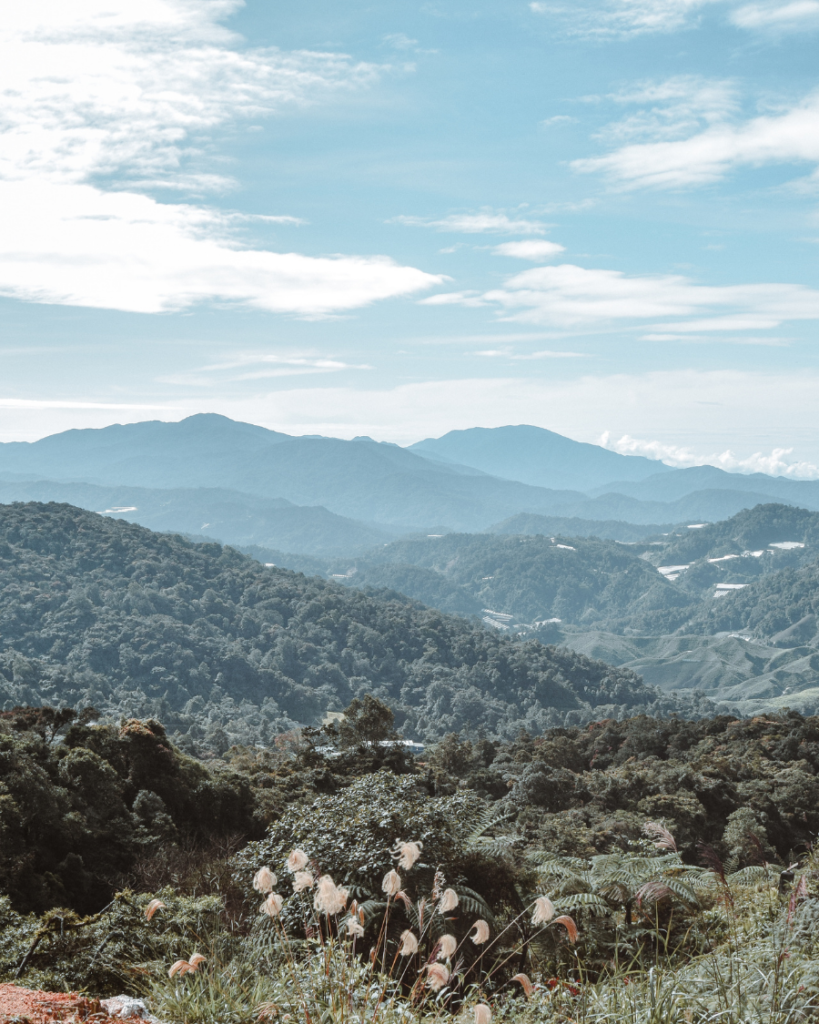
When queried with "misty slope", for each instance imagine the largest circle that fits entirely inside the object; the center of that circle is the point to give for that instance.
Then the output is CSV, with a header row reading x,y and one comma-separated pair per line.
x,y
537,456
675,484
608,529
750,675
230,517
100,611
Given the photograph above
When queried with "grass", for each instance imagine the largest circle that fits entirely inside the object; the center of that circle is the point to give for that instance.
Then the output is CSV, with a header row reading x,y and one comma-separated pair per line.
x,y
760,966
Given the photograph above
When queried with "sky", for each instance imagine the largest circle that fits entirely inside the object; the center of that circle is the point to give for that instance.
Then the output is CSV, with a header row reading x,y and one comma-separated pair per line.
x,y
400,218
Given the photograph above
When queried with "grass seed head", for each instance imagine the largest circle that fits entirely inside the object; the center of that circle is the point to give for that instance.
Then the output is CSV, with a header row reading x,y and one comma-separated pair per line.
x,y
483,1014
544,910
392,883
354,927
449,901
303,880
525,983
272,906
152,908
329,898
409,944
660,836
480,932
437,976
407,853
447,945
297,861
264,880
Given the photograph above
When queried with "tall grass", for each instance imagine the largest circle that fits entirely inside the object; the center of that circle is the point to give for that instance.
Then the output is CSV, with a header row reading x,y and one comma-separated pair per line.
x,y
753,960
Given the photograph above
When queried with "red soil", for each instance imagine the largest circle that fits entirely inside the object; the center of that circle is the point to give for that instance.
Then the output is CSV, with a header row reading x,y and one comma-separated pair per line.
x,y
31,1007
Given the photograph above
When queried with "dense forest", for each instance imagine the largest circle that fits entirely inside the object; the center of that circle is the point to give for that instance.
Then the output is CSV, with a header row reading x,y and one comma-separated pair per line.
x,y
88,807
95,611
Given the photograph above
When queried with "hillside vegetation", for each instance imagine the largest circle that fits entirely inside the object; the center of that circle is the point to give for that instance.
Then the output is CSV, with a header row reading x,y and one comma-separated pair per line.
x,y
554,878
102,612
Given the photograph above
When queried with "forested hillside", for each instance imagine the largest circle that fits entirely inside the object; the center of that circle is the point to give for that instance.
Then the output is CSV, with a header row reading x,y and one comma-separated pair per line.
x,y
652,587
99,611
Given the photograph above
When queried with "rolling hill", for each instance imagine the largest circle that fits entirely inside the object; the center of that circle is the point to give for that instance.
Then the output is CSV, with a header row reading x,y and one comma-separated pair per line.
x,y
98,611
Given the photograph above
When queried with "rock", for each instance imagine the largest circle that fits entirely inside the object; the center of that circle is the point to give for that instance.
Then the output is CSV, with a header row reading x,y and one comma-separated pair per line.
x,y
127,1006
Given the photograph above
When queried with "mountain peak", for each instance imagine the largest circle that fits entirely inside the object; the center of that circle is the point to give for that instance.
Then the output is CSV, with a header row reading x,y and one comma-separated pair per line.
x,y
535,455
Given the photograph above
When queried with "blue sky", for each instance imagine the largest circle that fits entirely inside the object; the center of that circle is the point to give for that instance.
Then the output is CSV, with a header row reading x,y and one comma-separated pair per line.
x,y
399,218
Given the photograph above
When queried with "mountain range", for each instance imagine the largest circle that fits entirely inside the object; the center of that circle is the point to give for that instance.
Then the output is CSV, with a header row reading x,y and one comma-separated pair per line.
x,y
239,483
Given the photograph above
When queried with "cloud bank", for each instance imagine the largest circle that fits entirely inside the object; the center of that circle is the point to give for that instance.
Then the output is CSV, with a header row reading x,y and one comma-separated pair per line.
x,y
774,464
572,296
103,99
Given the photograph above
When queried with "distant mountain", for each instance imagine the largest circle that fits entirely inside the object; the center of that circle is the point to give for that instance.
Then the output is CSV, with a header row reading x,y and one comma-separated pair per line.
x,y
672,485
228,516
694,508
360,479
395,490
536,456
149,454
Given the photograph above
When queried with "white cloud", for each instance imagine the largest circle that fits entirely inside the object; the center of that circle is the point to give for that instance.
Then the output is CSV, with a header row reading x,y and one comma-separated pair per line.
x,y
497,353
485,222
791,137
532,249
790,16
774,464
672,108
572,296
624,18
76,245
260,366
101,98
550,122
621,17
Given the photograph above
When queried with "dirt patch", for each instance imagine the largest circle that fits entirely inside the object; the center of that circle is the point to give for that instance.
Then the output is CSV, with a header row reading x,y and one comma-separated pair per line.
x,y
26,1006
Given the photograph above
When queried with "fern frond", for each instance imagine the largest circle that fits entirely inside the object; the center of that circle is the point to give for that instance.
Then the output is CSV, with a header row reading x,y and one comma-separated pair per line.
x,y
584,901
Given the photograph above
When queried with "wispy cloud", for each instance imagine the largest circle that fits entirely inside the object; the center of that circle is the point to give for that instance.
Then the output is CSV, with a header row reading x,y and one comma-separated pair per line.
x,y
572,296
708,155
484,222
671,108
498,353
532,249
621,17
551,122
105,98
790,16
776,463
260,366
624,18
